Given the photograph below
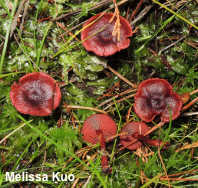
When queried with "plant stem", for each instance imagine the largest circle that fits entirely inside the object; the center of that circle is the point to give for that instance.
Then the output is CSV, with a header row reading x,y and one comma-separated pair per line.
x,y
148,141
104,160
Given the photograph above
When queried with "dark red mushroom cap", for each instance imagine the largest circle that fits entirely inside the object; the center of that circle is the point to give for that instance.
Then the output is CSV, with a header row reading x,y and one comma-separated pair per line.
x,y
98,122
130,128
103,43
34,94
153,97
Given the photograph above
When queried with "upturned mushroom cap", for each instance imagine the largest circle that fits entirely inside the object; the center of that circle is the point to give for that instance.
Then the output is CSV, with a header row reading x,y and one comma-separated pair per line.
x,y
154,97
34,94
130,128
98,122
136,130
103,43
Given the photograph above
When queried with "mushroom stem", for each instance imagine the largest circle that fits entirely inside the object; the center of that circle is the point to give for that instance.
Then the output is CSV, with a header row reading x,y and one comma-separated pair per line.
x,y
148,141
104,160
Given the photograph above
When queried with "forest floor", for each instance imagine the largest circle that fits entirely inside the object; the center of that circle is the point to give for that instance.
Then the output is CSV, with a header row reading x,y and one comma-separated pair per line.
x,y
45,36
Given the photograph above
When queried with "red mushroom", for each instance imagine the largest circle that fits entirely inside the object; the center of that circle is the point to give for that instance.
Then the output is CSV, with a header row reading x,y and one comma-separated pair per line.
x,y
35,93
103,43
154,97
97,128
136,130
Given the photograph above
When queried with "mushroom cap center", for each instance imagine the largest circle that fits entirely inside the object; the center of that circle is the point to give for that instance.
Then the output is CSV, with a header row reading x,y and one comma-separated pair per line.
x,y
157,102
102,42
106,35
36,93
154,97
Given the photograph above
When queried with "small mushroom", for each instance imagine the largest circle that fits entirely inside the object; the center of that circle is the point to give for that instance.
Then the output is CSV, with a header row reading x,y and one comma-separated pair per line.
x,y
154,97
97,128
35,93
103,43
136,130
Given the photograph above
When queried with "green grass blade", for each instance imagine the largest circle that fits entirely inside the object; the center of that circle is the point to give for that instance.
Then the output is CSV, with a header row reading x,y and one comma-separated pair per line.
x,y
4,75
7,35
151,181
22,155
42,43
35,27
11,18
68,152
163,25
78,33
176,14
97,173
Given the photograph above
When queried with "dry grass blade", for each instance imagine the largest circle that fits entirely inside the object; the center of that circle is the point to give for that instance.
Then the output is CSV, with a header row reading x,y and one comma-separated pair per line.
x,y
88,163
178,179
125,92
154,128
188,146
118,101
121,2
67,32
14,22
97,5
141,14
134,13
24,14
120,76
71,29
163,162
178,174
86,108
26,54
193,92
190,104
